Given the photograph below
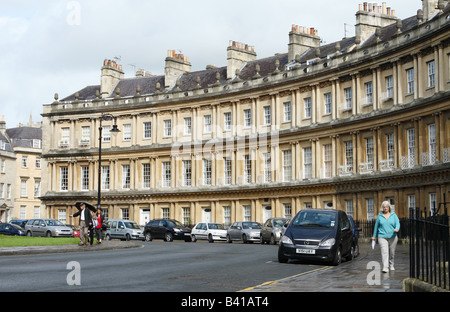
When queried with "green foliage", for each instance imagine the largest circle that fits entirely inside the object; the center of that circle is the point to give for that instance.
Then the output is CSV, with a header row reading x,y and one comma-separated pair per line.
x,y
15,241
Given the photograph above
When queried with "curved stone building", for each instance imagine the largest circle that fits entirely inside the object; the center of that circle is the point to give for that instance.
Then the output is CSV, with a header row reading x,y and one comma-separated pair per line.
x,y
344,125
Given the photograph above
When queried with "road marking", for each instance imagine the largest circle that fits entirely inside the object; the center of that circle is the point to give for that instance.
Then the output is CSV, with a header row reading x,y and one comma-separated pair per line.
x,y
286,278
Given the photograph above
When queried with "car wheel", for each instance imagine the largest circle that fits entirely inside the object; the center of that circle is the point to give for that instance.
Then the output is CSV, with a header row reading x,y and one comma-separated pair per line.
x,y
272,240
229,239
356,251
337,256
194,239
350,254
261,240
244,239
148,237
168,237
108,237
128,237
210,238
49,234
281,258
29,234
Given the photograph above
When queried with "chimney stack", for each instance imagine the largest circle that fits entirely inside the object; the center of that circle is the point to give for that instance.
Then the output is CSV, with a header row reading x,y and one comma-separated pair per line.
x,y
237,55
302,39
111,74
431,7
176,65
371,16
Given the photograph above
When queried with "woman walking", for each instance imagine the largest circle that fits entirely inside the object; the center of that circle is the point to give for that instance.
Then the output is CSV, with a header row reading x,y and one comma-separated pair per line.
x,y
386,228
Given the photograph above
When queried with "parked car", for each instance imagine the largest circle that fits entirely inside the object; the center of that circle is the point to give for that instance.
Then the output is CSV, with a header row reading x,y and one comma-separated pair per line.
x,y
167,229
317,234
11,229
123,230
210,231
19,222
272,230
246,231
355,233
76,231
47,227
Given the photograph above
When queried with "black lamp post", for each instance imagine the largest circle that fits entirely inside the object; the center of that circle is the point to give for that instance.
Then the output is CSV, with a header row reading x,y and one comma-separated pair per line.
x,y
114,132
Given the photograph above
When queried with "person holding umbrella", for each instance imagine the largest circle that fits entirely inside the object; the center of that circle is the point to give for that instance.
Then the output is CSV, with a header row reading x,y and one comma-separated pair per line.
x,y
85,222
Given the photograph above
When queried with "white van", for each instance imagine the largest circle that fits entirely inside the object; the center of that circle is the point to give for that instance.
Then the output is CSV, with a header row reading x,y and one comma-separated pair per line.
x,y
123,230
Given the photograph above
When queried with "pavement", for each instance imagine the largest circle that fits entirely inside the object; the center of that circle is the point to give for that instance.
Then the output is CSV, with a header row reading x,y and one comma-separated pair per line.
x,y
362,274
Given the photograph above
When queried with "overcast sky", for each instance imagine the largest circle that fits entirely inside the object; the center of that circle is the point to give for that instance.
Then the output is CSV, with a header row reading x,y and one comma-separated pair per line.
x,y
50,46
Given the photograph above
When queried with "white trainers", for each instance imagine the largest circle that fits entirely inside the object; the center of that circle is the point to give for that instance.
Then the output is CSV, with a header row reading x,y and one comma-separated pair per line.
x,y
385,270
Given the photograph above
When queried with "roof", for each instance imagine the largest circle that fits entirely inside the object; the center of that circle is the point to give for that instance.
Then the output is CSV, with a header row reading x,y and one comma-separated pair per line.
x,y
24,136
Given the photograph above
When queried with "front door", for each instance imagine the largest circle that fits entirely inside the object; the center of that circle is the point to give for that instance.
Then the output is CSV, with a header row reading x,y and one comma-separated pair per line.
x,y
145,216
206,215
267,213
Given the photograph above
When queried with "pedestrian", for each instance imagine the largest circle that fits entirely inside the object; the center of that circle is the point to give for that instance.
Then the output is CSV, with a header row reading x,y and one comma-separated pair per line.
x,y
85,223
386,228
97,229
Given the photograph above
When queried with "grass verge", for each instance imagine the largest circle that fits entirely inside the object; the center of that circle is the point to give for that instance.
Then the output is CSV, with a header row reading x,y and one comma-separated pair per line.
x,y
20,241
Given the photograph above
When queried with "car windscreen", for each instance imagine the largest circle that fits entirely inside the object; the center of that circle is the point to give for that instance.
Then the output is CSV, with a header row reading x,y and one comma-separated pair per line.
x,y
131,225
310,219
174,223
250,225
54,223
279,222
215,226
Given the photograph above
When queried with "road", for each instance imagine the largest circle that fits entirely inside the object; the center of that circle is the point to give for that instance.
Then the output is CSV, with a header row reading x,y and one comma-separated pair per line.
x,y
156,266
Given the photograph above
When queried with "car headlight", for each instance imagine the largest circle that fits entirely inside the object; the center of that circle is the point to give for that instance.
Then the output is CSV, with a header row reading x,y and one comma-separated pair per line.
x,y
286,240
328,243
177,230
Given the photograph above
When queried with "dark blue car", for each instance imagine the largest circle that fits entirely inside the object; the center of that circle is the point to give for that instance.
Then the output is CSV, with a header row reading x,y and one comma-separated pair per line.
x,y
355,233
11,229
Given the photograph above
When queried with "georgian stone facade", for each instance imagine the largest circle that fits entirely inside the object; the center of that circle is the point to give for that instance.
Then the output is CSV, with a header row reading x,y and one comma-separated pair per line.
x,y
344,125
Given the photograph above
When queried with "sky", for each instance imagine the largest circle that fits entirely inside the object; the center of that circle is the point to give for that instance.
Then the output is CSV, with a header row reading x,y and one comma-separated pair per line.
x,y
58,46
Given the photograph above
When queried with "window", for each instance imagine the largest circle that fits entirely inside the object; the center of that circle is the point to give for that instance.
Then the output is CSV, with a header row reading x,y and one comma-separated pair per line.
x,y
168,128
8,191
24,161
84,178
369,92
105,177
165,212
370,208
327,101
147,130
389,87
327,160
308,107
37,212
267,115
431,144
247,213
287,210
63,178
390,147
410,80
166,174
65,134
207,124
411,138
62,215
3,166
349,207
433,203
85,134
37,163
2,187
37,143
267,168
186,215
125,176
348,98
227,121
146,175
23,188
227,170
23,212
187,126
308,205
106,136
431,74
348,156
287,165
125,214
411,201
287,111
187,173
206,171
307,162
226,215
369,151
247,169
247,118
127,132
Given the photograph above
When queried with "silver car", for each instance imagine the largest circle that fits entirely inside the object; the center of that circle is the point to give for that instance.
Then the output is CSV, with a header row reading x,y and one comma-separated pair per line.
x,y
245,231
123,229
272,230
47,227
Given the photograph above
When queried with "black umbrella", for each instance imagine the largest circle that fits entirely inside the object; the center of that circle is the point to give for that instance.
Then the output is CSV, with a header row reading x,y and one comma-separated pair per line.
x,y
89,206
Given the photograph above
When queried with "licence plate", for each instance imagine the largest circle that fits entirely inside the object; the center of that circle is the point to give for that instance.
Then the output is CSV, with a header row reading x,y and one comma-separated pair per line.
x,y
305,251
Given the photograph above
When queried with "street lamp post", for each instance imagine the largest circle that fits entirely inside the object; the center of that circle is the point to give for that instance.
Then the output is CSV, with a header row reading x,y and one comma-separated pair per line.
x,y
114,131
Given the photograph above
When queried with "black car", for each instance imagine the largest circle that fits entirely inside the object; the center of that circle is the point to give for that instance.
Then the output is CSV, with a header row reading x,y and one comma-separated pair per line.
x,y
355,233
317,234
167,229
11,229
